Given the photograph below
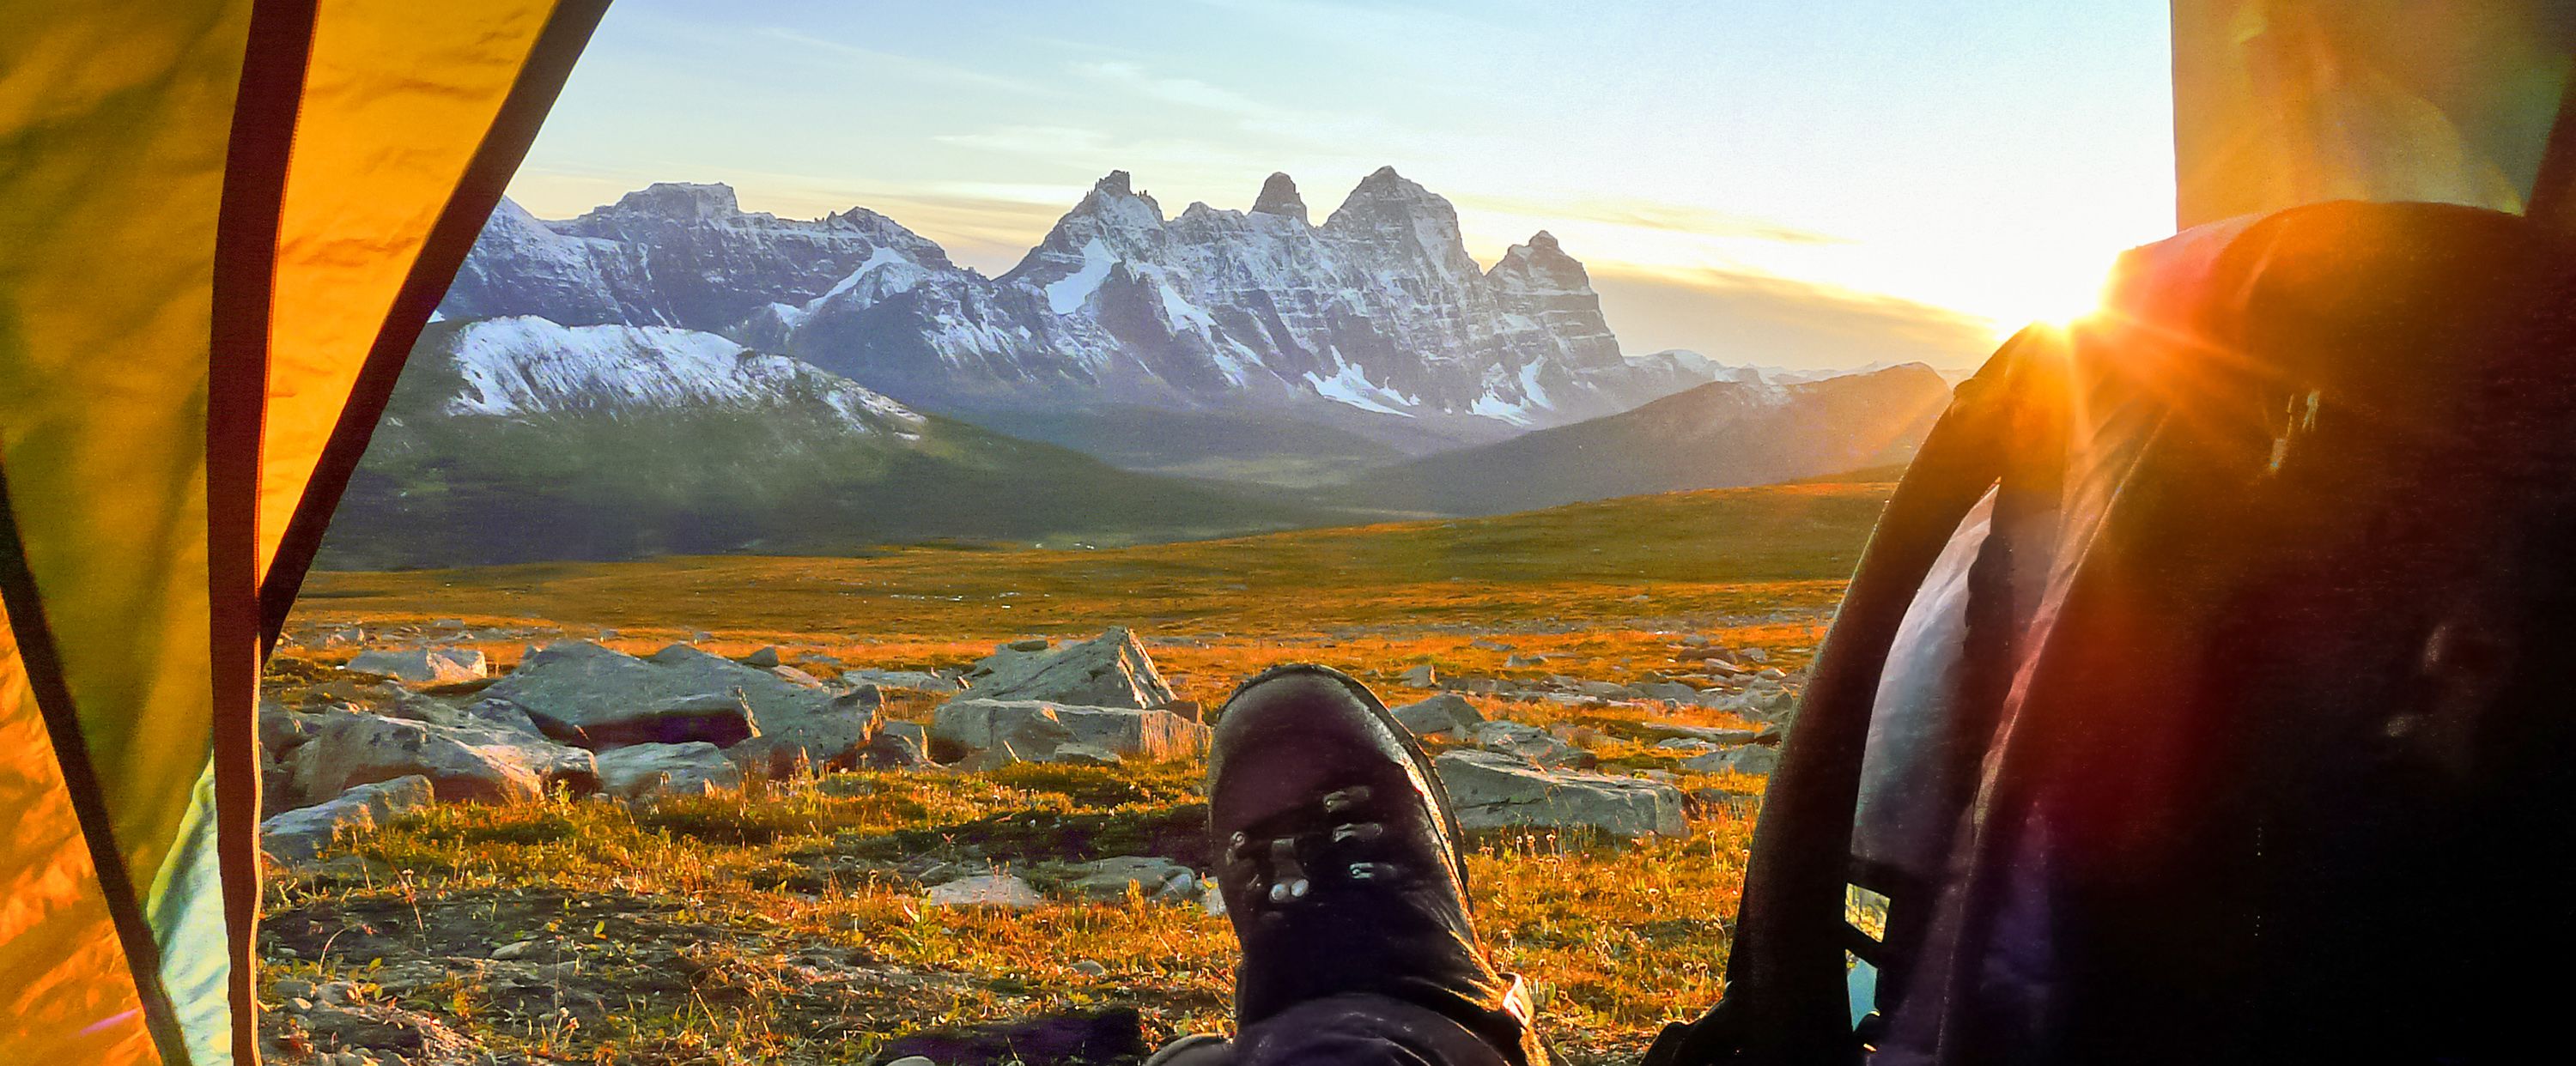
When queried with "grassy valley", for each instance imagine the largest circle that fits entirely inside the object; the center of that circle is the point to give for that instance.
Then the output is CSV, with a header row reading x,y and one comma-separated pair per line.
x,y
786,923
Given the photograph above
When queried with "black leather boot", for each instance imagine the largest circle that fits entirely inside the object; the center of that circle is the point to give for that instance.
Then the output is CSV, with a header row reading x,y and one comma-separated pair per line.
x,y
1340,864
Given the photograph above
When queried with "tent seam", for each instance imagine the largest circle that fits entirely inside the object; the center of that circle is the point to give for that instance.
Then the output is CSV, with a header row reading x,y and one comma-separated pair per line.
x,y
257,157
478,191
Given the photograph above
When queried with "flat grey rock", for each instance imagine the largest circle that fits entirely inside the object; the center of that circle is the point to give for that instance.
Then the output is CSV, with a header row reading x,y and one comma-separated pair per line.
x,y
1035,730
643,771
1493,791
1746,759
471,763
423,666
296,837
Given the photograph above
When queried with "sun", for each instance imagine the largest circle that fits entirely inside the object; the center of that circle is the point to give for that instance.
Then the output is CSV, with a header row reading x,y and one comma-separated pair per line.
x,y
2059,292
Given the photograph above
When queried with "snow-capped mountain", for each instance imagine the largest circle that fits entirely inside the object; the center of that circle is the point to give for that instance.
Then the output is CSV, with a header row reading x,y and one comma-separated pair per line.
x,y
523,365
517,438
1377,311
670,255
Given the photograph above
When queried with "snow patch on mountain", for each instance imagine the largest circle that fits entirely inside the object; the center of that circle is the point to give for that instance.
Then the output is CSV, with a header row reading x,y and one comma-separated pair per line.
x,y
523,365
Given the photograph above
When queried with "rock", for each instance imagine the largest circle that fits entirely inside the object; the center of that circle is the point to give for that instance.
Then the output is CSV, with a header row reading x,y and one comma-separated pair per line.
x,y
893,751
1088,968
1034,730
794,676
1686,745
343,636
1713,735
1754,655
1447,712
1771,673
1668,691
985,890
1420,676
1608,690
298,836
1528,743
912,1060
639,771
514,950
423,666
1489,644
1524,662
910,680
1492,791
1083,755
582,692
280,730
1211,900
470,763
1747,759
1111,878
764,658
1189,710
1029,644
1111,670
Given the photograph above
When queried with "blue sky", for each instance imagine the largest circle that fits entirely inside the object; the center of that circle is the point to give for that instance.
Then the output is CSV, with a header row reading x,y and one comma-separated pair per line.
x,y
1819,183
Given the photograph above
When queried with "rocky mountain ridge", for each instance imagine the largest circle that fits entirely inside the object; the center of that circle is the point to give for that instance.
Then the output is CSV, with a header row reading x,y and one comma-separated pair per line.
x,y
1377,312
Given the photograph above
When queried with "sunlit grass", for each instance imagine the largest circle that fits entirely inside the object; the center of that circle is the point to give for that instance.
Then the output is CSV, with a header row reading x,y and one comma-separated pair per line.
x,y
699,918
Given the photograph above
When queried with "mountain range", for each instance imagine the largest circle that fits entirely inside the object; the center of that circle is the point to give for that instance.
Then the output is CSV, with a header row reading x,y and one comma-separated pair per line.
x,y
519,439
671,373
1375,320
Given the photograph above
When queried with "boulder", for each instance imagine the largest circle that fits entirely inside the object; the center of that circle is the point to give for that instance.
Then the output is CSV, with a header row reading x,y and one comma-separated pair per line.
x,y
894,751
1747,759
1447,712
582,693
1493,791
1113,877
638,771
1711,734
472,763
764,658
1422,676
423,666
1111,670
910,680
281,730
298,836
985,890
1528,743
1034,730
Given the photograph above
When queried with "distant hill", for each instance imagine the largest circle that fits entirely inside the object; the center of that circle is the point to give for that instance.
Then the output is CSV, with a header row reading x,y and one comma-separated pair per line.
x,y
1719,435
517,439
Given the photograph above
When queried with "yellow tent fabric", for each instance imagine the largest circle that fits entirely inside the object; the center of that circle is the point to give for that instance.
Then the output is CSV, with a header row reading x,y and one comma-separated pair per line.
x,y
222,223
2285,102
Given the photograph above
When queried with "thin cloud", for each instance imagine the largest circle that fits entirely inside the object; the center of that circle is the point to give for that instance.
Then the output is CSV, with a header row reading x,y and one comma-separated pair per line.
x,y
1656,215
1744,317
1186,92
910,67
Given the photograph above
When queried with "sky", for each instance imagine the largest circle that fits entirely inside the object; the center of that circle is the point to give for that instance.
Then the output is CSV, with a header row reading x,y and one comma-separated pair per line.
x,y
1809,184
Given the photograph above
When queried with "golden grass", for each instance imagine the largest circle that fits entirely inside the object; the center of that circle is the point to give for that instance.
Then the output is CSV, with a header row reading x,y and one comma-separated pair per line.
x,y
718,900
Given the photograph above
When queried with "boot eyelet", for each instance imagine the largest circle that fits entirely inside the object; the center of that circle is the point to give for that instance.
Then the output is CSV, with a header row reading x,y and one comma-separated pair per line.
x,y
1346,799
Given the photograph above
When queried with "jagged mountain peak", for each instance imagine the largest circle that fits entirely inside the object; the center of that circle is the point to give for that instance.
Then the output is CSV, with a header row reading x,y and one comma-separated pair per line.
x,y
1544,241
1279,197
677,199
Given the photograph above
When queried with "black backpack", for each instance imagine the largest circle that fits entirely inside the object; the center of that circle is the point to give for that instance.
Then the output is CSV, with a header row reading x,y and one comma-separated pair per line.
x,y
2206,691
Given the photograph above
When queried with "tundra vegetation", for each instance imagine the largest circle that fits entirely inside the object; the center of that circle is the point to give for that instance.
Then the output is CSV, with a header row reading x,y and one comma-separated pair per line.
x,y
807,917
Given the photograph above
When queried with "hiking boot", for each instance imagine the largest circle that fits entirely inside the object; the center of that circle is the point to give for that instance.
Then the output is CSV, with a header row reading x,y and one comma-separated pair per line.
x,y
1338,859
